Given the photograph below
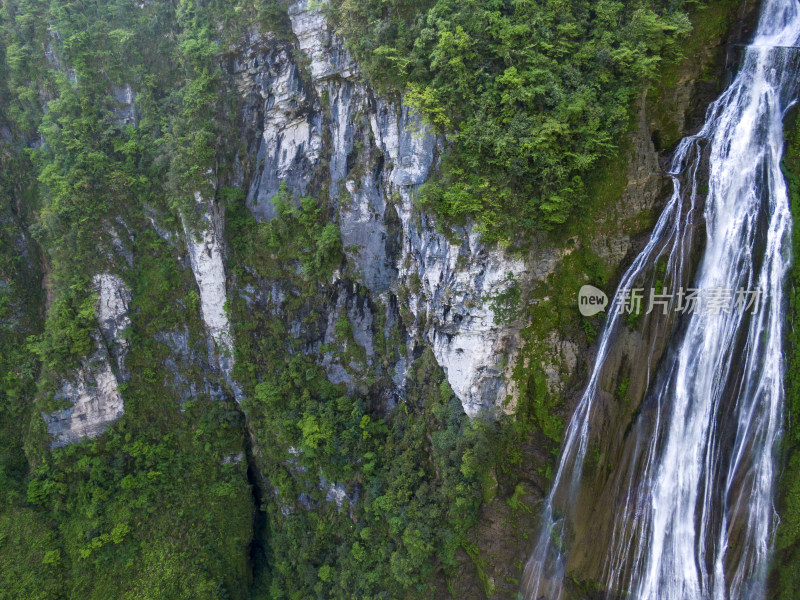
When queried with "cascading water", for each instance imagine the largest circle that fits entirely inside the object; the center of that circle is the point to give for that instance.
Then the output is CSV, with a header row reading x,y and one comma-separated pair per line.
x,y
692,514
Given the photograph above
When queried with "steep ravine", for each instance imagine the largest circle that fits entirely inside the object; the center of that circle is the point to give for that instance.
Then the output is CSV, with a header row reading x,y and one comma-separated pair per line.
x,y
414,305
317,128
324,130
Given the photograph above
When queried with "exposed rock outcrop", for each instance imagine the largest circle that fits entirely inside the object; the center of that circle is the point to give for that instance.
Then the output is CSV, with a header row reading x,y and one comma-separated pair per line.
x,y
93,390
325,129
206,256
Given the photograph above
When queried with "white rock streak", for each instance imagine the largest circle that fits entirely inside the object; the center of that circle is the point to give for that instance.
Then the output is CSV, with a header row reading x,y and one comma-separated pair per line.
x,y
205,255
96,402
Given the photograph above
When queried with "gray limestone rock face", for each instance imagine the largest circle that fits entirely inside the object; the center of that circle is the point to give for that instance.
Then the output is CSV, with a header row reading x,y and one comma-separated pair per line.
x,y
95,404
288,123
125,112
93,390
326,52
206,251
113,301
182,362
323,129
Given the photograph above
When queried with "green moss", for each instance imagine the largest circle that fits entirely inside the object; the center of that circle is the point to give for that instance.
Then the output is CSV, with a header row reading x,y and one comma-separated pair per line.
x,y
477,559
786,575
711,21
622,390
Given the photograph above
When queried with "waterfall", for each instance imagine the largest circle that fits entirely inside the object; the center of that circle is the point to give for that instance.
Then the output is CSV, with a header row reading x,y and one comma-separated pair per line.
x,y
692,492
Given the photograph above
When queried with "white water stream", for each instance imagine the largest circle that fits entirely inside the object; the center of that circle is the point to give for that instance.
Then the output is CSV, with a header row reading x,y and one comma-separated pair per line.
x,y
694,518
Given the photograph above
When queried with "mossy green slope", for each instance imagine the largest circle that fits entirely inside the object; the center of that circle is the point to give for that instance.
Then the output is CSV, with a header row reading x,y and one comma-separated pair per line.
x,y
786,571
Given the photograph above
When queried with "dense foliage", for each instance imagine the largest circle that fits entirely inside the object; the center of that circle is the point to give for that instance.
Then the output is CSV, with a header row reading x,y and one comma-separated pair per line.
x,y
787,544
162,497
321,491
409,484
531,94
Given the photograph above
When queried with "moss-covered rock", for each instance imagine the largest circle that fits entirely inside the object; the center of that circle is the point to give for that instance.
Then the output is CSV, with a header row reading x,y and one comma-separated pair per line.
x,y
785,577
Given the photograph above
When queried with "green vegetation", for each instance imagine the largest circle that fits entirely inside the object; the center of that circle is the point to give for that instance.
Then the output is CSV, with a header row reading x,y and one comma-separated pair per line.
x,y
154,508
787,561
25,536
66,337
505,304
532,94
412,479
711,22
352,498
153,502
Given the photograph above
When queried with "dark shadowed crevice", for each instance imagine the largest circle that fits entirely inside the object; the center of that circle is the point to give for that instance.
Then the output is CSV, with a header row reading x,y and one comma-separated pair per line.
x,y
259,551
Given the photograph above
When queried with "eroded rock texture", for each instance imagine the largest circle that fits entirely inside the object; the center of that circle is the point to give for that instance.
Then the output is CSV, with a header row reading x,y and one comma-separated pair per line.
x,y
93,389
324,130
